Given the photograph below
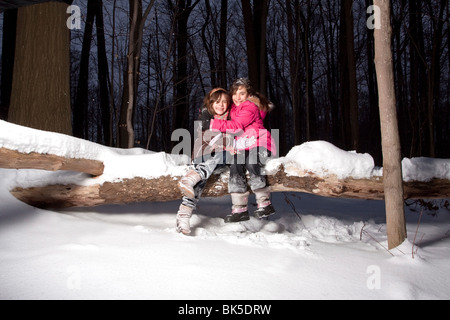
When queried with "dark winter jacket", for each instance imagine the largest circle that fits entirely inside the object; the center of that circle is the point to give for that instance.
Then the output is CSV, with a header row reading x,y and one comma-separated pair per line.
x,y
208,142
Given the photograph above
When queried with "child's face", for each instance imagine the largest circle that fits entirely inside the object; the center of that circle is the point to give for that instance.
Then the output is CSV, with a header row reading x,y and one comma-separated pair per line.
x,y
221,105
240,96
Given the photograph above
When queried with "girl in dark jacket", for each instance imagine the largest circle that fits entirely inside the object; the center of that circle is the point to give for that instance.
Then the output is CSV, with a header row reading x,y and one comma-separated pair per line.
x,y
210,151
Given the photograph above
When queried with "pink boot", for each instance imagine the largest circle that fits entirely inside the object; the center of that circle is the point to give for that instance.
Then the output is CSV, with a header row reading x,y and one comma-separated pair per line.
x,y
265,208
184,220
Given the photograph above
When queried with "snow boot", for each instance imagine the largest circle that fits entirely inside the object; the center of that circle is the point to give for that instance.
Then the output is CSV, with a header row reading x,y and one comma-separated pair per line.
x,y
264,212
184,219
265,208
237,215
188,182
239,211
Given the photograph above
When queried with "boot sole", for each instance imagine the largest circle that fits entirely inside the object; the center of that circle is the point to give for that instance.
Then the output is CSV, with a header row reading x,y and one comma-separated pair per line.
x,y
264,216
183,231
271,213
242,219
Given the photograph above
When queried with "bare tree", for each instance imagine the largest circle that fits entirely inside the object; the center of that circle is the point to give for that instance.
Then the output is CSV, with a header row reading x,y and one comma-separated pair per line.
x,y
349,88
80,108
40,95
255,23
7,61
137,23
182,10
392,168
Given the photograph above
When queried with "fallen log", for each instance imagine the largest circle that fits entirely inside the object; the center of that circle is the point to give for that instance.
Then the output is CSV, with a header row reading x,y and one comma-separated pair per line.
x,y
96,192
11,159
165,189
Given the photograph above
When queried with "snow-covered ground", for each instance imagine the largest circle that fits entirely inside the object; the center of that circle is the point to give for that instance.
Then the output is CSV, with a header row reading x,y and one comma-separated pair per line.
x,y
313,248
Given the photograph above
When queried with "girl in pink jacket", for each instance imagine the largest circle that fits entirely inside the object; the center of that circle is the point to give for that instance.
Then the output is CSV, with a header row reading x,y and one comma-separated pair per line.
x,y
254,145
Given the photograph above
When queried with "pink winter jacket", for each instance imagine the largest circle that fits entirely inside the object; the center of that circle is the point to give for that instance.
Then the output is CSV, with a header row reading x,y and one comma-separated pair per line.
x,y
248,119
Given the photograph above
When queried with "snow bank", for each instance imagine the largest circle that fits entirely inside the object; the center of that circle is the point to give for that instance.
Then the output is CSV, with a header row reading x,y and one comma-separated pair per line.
x,y
425,169
27,140
119,163
319,157
313,248
323,158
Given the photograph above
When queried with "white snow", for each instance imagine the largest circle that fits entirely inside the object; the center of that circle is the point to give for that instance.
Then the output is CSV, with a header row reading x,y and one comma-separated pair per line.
x,y
323,158
313,248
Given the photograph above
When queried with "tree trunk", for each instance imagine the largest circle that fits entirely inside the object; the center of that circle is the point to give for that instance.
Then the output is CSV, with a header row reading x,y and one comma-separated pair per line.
x,y
183,10
7,63
349,88
252,54
255,24
374,118
131,77
294,40
434,76
222,64
131,72
80,110
11,159
311,124
40,95
165,189
418,81
209,47
392,168
103,76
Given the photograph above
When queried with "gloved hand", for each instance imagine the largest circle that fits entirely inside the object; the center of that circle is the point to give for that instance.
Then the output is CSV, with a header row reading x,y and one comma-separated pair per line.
x,y
206,124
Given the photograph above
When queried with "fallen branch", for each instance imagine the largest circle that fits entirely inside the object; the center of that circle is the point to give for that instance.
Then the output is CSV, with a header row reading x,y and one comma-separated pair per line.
x,y
11,159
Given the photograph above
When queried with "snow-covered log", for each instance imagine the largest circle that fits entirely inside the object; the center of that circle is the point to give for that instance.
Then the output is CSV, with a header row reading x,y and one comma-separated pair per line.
x,y
12,159
138,175
165,189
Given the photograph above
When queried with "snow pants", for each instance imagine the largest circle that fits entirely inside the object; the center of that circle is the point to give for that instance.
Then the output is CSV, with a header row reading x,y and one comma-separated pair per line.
x,y
205,167
252,161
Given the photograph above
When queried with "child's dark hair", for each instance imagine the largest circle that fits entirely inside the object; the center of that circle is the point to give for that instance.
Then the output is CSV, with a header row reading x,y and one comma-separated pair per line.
x,y
257,98
214,96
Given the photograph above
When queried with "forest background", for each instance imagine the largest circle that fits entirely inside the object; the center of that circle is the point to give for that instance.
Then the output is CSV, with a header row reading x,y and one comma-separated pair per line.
x,y
313,59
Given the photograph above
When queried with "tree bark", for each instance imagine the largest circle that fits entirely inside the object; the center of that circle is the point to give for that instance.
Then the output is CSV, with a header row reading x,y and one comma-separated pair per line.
x,y
80,110
7,62
349,88
131,72
255,24
183,9
11,159
296,75
40,95
392,168
103,77
222,64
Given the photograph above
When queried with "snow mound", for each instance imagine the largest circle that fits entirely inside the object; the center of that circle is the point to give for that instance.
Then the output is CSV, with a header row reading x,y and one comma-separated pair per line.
x,y
324,159
425,169
119,163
